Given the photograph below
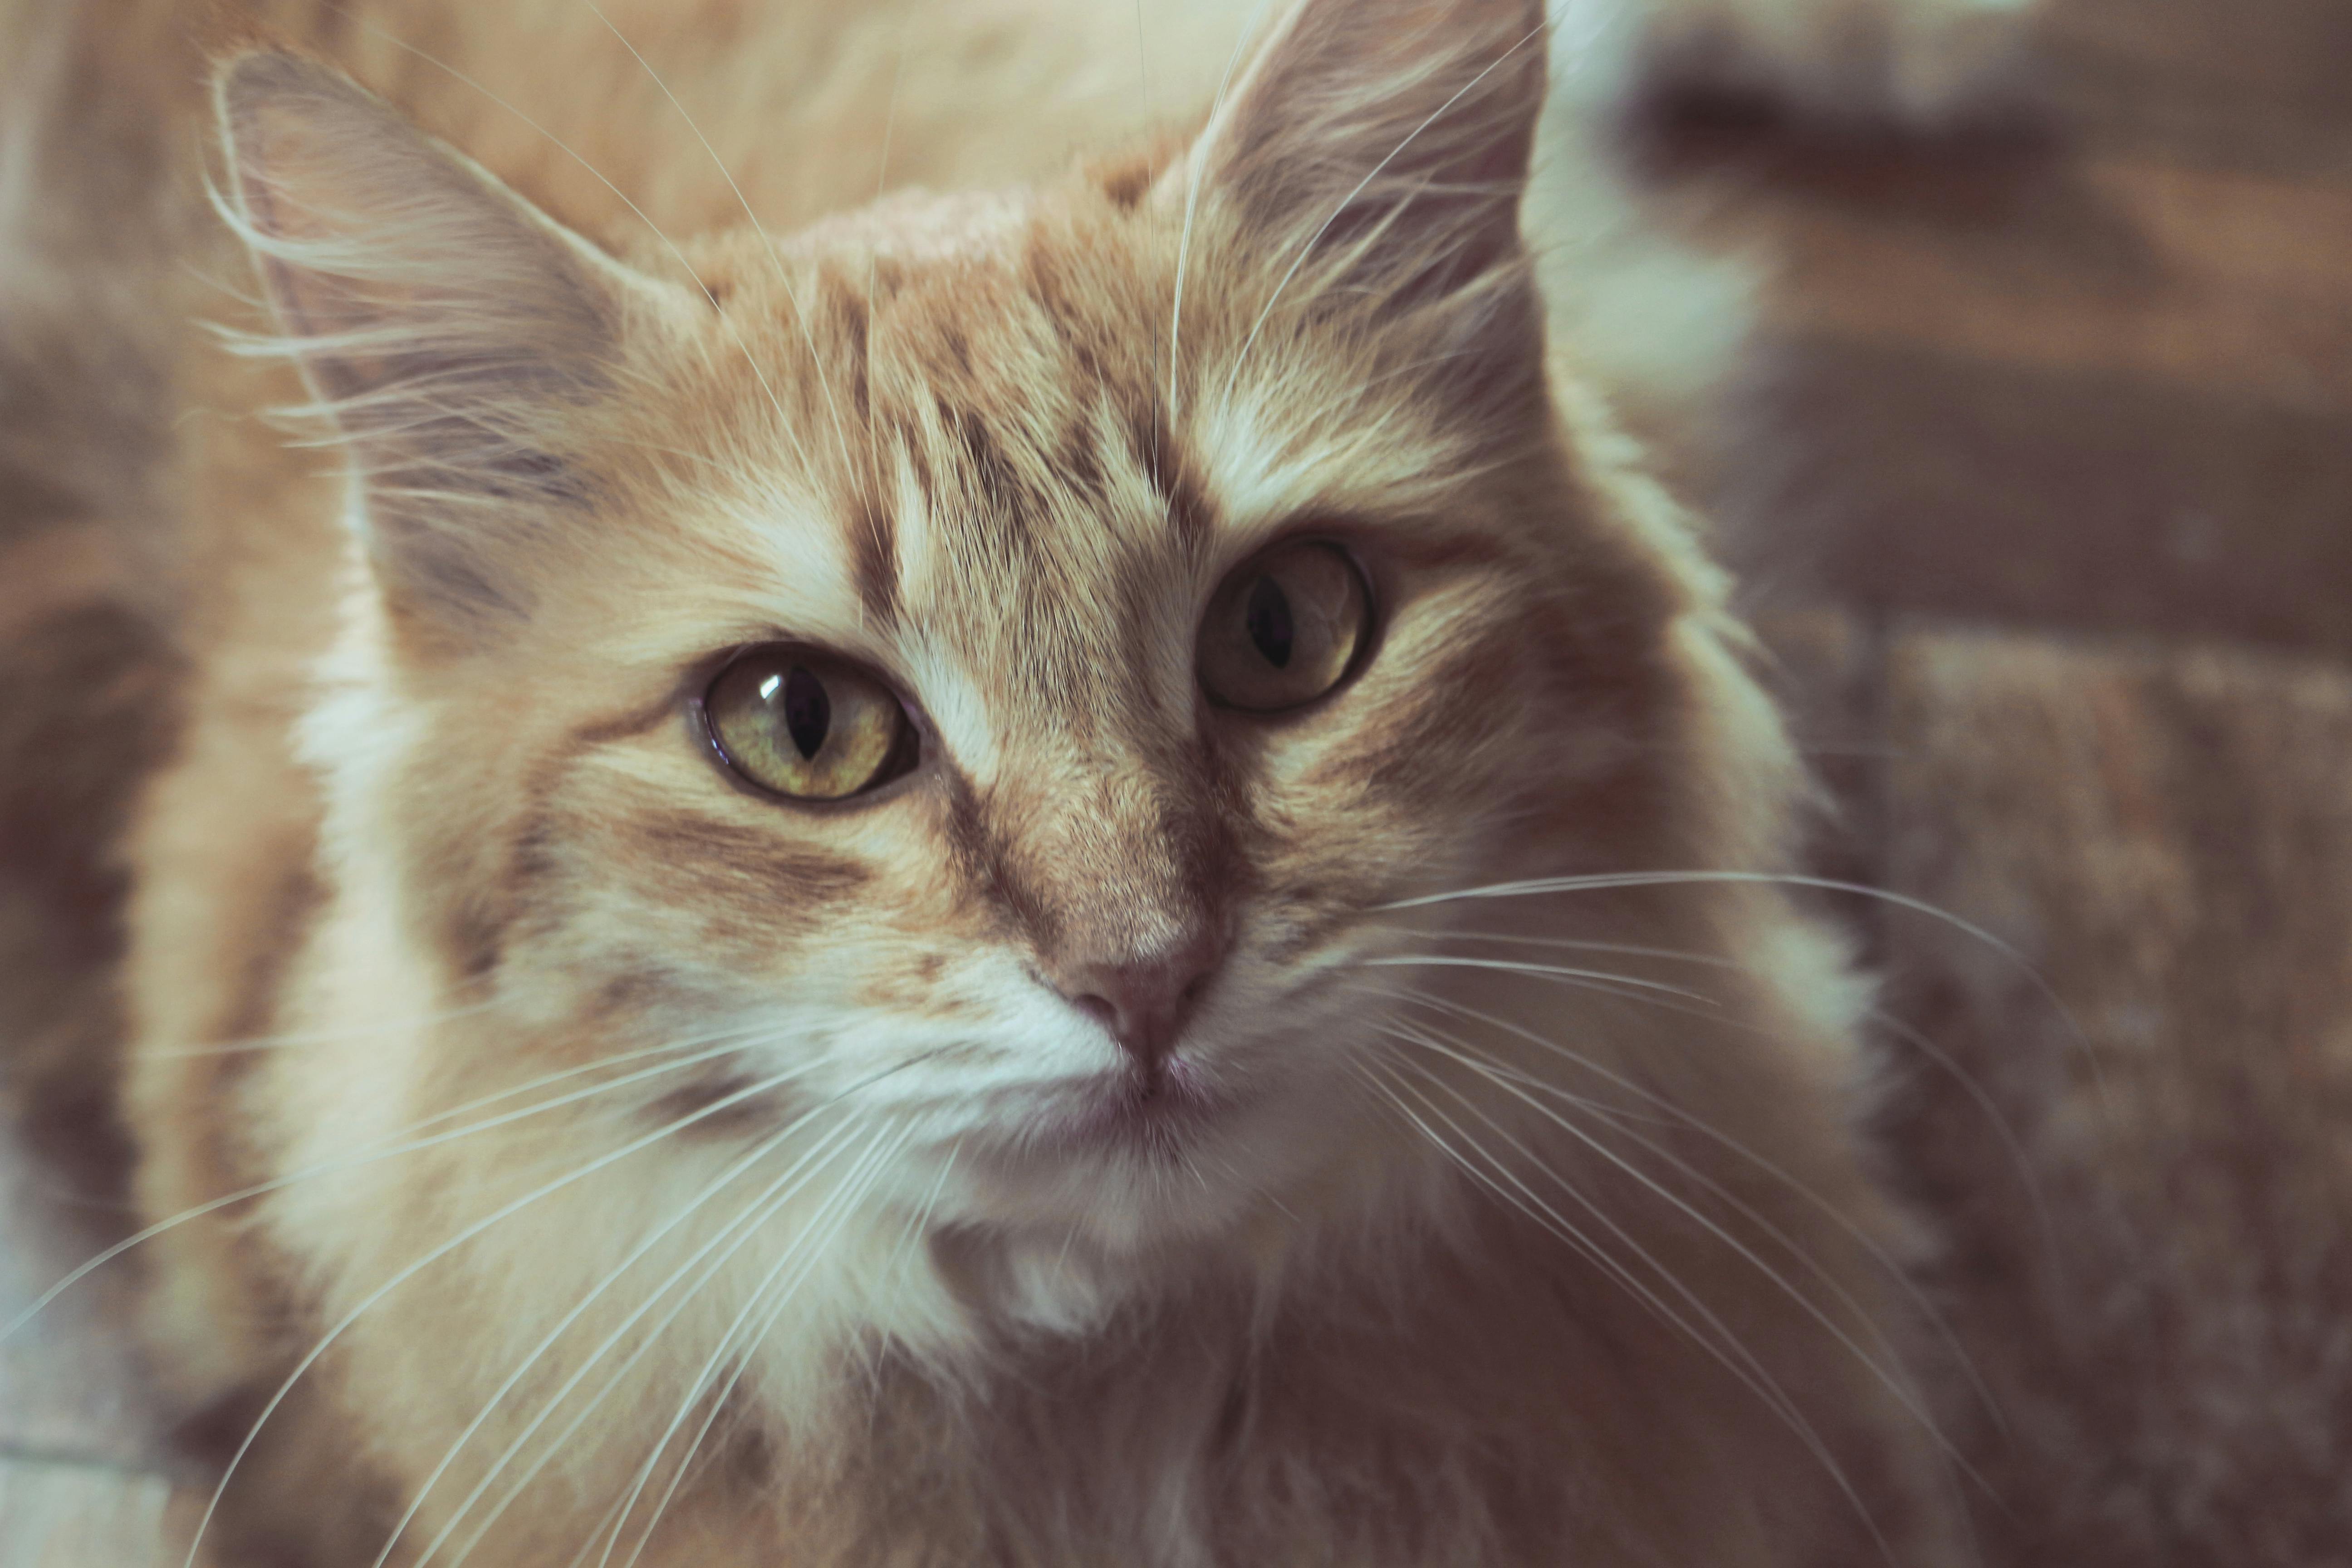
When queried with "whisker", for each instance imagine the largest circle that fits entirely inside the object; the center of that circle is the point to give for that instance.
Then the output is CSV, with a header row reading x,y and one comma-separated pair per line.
x,y
310,1358
1608,880
743,1229
1260,1191
652,1239
1630,949
1544,1214
922,1219
262,1189
852,1192
729,1041
1591,979
1870,1244
298,1039
758,1217
901,1258
2003,1127
1904,1395
1753,1375
1532,1206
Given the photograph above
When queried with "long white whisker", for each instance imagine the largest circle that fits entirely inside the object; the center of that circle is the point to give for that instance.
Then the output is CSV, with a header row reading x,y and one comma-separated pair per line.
x,y
304,1039
1593,979
1903,1394
1529,1203
2003,1127
742,1229
918,1224
730,1041
752,1221
645,1244
370,1157
922,1218
852,1192
1984,1101
1581,944
1727,1348
1870,1244
504,1212
1607,880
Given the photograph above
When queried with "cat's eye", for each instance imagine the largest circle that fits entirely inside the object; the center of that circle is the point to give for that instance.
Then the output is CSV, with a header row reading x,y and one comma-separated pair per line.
x,y
1286,627
800,723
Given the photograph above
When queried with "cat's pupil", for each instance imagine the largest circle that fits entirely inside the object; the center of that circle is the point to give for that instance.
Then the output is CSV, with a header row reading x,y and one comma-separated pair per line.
x,y
1267,619
808,712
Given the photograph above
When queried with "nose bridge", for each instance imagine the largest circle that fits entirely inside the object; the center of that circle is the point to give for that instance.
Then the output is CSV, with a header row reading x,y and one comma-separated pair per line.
x,y
1128,878
1124,863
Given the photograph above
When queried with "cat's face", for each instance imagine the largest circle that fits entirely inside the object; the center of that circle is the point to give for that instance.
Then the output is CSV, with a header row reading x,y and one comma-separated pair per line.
x,y
1111,890
1003,665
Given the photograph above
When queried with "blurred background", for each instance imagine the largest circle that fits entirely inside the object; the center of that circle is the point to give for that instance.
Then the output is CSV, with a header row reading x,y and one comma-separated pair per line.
x,y
2044,487
2041,479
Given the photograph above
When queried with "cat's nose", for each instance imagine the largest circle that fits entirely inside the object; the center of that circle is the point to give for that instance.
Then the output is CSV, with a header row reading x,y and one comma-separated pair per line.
x,y
1143,1001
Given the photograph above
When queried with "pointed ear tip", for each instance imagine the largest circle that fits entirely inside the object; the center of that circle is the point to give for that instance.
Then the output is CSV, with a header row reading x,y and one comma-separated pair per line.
x,y
257,73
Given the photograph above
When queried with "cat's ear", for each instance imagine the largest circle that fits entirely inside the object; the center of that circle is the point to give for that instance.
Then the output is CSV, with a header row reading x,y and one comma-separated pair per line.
x,y
455,334
1382,145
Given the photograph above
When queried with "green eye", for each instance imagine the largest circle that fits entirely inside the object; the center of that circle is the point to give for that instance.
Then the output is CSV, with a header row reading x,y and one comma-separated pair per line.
x,y
1285,628
806,725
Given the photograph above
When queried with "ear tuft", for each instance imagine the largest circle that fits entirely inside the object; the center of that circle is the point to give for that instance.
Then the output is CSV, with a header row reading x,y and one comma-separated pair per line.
x,y
1389,141
453,332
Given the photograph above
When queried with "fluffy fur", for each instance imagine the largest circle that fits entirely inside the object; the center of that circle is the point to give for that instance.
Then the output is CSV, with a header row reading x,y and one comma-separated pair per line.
x,y
645,1168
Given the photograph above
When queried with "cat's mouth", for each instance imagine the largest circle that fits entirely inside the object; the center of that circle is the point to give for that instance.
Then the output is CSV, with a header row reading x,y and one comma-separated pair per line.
x,y
1160,1110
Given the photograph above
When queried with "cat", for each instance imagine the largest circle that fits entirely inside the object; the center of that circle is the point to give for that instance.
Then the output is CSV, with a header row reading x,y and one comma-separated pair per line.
x,y
1081,875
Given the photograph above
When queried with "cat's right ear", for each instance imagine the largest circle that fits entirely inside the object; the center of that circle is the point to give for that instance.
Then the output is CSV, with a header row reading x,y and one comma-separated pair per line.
x,y
454,332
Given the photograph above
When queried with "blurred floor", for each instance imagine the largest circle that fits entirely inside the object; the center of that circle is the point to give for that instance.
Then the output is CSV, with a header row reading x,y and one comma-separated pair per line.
x,y
2043,478
2047,474
2094,377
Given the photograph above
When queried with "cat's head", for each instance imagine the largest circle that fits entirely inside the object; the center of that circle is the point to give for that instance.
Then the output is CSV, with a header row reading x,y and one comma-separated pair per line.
x,y
996,665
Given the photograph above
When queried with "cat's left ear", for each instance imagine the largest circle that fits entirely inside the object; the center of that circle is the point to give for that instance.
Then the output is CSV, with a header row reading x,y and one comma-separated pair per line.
x,y
454,332
1381,147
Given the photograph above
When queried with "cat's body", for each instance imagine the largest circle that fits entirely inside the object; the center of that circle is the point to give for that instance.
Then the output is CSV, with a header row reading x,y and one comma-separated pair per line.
x,y
613,1113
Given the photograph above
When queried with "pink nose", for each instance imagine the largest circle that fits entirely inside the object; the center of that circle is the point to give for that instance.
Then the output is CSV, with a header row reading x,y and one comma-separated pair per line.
x,y
1143,1001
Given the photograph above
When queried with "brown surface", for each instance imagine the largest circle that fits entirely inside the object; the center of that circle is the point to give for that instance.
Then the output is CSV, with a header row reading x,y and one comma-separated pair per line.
x,y
2152,1279
2096,372
2094,379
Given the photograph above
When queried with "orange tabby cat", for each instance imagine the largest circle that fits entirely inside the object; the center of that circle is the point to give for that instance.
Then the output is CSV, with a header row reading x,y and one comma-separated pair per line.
x,y
1077,875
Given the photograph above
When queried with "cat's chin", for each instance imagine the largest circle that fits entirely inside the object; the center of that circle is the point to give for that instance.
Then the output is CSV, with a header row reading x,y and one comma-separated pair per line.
x,y
1135,1161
